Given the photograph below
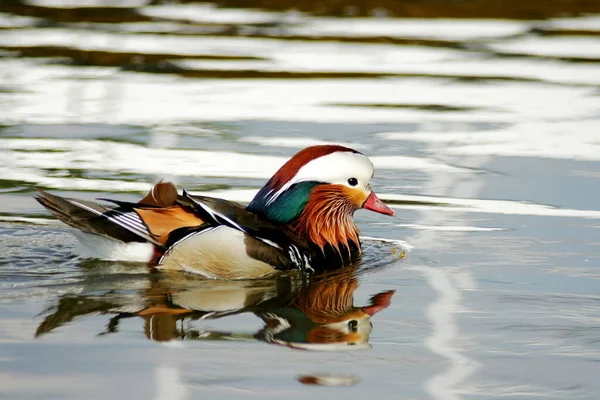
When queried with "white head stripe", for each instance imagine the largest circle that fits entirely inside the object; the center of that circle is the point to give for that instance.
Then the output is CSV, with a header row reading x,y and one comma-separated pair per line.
x,y
334,168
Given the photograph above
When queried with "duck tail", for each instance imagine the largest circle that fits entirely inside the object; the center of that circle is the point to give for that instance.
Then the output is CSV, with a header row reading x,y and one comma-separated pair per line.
x,y
71,213
86,216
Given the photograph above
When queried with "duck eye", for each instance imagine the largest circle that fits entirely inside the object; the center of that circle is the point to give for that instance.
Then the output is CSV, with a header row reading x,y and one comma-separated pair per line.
x,y
352,181
353,325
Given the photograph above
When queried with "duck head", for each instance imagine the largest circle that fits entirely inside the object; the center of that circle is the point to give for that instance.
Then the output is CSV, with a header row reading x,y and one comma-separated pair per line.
x,y
317,191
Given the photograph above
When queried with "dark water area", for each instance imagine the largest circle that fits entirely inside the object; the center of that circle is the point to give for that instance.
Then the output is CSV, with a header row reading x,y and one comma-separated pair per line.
x,y
481,118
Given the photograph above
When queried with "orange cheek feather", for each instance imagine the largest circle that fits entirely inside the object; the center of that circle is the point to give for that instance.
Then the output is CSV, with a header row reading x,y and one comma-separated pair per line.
x,y
327,217
356,196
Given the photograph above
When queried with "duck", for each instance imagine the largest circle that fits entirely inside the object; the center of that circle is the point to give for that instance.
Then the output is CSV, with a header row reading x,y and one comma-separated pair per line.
x,y
301,219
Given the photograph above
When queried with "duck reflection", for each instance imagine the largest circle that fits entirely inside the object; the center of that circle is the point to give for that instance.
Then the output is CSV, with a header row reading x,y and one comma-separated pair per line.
x,y
316,313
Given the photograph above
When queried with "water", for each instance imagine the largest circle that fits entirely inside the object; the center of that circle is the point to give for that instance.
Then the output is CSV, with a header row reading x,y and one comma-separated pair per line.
x,y
485,138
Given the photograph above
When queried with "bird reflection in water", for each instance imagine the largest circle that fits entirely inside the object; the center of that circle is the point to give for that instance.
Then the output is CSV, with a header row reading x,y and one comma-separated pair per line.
x,y
316,313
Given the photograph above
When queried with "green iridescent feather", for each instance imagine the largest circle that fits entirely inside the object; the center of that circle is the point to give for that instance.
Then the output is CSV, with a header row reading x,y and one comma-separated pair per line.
x,y
287,207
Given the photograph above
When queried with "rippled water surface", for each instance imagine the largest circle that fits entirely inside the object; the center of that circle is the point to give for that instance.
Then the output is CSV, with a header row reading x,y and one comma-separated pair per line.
x,y
485,135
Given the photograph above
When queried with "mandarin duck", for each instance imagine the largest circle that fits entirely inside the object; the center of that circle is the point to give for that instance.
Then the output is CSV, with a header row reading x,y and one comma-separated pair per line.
x,y
300,220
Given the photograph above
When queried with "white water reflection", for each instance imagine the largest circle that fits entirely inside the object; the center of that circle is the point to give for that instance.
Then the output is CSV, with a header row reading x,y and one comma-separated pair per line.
x,y
25,159
446,339
125,157
137,101
490,206
169,383
16,21
446,335
450,228
296,23
211,14
591,22
87,3
540,139
299,142
366,55
552,46
441,29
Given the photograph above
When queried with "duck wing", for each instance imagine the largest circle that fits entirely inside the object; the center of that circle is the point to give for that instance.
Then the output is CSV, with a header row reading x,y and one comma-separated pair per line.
x,y
273,243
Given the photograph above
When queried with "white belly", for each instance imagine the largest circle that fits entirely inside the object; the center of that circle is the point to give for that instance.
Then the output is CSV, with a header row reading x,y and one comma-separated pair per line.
x,y
217,253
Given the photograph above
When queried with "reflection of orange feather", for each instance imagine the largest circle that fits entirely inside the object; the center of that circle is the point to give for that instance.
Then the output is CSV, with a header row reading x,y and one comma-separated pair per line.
x,y
163,310
328,301
160,327
323,335
162,221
